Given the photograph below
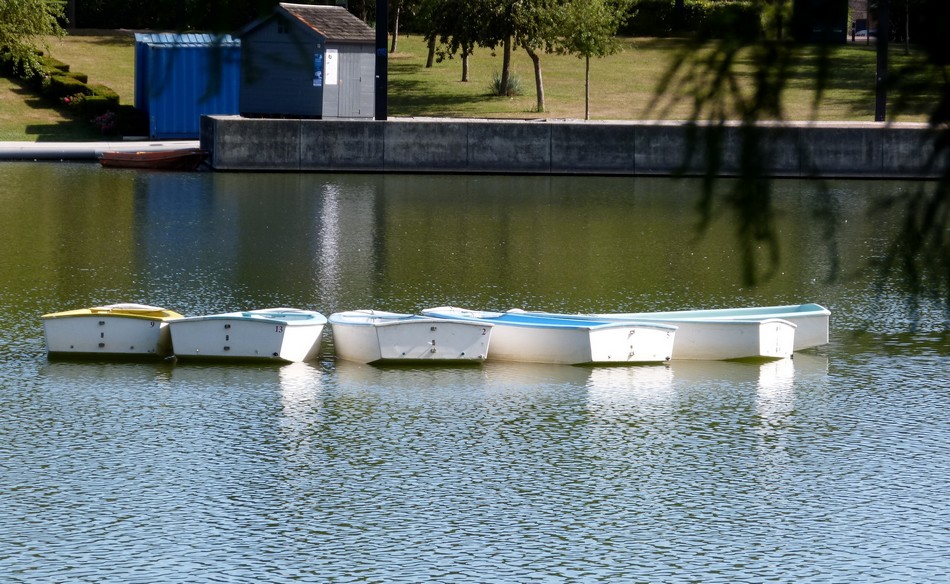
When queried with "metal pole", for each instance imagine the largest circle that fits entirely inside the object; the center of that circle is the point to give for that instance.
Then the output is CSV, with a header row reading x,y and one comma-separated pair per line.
x,y
382,62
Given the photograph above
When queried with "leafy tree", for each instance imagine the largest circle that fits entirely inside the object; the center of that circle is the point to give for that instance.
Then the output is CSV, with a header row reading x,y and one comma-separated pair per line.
x,y
455,25
539,26
23,23
499,29
589,31
399,8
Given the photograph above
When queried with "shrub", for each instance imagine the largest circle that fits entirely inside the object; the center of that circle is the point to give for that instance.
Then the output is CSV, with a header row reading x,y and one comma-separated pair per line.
x,y
59,86
721,19
7,64
74,101
107,122
104,92
652,18
514,85
96,105
81,77
737,20
53,65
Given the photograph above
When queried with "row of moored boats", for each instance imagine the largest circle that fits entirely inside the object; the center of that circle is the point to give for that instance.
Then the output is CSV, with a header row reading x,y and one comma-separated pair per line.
x,y
444,334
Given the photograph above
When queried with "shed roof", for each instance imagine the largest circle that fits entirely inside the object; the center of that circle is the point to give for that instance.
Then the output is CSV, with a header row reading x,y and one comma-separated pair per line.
x,y
335,23
174,39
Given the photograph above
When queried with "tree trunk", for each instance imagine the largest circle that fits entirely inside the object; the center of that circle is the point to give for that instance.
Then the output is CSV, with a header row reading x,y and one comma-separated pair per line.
x,y
538,82
586,88
465,65
883,30
505,67
392,48
430,59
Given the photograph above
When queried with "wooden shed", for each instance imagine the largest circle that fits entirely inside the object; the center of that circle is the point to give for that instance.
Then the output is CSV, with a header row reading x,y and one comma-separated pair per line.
x,y
307,61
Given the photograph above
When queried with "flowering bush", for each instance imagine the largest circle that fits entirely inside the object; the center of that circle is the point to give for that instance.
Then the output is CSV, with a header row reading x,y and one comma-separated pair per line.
x,y
75,100
106,122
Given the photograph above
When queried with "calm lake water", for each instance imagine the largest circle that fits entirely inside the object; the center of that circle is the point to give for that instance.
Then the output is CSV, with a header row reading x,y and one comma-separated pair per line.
x,y
831,467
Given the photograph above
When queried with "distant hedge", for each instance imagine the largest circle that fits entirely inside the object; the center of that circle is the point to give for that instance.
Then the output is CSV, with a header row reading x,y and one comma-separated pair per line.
x,y
707,18
60,86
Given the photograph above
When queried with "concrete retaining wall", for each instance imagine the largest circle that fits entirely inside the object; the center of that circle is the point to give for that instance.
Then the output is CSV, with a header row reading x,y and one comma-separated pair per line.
x,y
845,150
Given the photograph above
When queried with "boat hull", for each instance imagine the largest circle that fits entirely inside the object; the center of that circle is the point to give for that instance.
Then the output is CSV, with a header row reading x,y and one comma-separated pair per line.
x,y
115,331
382,337
812,321
181,159
522,337
720,340
283,335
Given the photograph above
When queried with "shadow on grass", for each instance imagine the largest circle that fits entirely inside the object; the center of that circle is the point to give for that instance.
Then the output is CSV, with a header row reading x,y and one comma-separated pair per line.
x,y
71,127
105,37
911,90
411,96
65,131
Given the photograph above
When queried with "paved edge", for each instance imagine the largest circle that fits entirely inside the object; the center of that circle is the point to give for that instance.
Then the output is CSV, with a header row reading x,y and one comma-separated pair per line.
x,y
85,150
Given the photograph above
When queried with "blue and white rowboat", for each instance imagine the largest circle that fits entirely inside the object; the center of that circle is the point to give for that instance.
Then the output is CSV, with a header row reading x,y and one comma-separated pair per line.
x,y
714,340
526,337
812,321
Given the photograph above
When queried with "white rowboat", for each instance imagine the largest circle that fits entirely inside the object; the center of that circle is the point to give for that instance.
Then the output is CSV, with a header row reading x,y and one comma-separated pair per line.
x,y
812,321
520,336
270,334
373,336
116,330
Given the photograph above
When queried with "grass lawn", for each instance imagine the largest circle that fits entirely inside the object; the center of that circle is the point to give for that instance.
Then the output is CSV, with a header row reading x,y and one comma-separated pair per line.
x,y
107,57
622,86
24,116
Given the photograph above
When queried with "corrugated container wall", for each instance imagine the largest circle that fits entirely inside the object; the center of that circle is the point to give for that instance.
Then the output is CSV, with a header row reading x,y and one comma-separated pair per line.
x,y
180,77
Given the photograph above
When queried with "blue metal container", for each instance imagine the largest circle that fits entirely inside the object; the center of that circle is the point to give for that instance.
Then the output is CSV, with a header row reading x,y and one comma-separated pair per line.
x,y
180,77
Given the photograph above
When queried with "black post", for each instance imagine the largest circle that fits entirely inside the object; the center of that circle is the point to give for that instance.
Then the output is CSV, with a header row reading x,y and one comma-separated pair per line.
x,y
883,34
382,63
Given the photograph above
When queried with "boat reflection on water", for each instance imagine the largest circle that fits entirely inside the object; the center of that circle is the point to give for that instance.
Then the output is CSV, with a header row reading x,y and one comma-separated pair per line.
x,y
300,385
613,391
351,375
775,391
301,390
767,376
775,408
107,376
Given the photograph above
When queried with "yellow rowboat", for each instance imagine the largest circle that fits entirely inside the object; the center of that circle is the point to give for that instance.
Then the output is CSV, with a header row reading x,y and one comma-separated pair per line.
x,y
115,330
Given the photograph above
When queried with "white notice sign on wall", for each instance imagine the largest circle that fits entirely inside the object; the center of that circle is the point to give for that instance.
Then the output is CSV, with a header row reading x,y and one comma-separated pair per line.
x,y
332,75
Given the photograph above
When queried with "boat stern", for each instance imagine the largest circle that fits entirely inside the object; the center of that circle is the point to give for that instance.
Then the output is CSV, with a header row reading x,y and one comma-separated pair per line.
x,y
632,343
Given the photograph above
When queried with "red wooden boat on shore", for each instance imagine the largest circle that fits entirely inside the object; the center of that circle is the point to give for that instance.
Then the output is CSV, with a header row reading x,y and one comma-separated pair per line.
x,y
182,159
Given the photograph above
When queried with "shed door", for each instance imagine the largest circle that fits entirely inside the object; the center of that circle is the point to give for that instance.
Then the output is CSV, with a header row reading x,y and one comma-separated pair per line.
x,y
355,81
